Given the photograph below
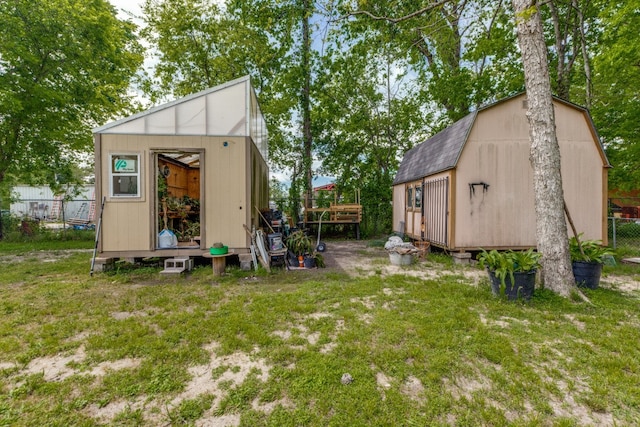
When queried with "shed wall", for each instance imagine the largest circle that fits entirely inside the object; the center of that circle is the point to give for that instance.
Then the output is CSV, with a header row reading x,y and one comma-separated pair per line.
x,y
502,215
399,206
430,220
127,224
259,190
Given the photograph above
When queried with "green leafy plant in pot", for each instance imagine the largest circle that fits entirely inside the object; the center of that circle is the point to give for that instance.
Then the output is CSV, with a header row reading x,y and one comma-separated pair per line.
x,y
587,257
300,244
513,272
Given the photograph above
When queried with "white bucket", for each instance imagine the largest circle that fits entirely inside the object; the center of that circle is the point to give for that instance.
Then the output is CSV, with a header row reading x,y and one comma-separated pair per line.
x,y
400,259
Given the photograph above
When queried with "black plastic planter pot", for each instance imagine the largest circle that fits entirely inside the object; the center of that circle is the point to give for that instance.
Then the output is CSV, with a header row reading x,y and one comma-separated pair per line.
x,y
522,287
309,262
587,274
495,283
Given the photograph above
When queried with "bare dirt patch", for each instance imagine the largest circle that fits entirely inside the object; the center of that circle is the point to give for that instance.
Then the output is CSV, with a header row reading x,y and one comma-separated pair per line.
x,y
357,259
42,256
59,367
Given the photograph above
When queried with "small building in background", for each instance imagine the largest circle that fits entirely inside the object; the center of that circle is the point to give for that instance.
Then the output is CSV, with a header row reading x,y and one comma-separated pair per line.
x,y
40,203
624,204
471,185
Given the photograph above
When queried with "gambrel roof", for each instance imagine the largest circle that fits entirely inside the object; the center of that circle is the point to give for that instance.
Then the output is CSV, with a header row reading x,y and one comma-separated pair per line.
x,y
442,151
436,154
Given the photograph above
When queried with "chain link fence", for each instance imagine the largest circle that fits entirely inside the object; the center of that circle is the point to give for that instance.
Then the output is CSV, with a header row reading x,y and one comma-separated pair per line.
x,y
624,222
624,233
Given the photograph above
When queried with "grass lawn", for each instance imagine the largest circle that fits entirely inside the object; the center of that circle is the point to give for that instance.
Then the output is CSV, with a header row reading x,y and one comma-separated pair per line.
x,y
320,348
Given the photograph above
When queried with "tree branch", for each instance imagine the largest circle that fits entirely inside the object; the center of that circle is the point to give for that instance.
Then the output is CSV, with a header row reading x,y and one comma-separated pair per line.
x,y
419,12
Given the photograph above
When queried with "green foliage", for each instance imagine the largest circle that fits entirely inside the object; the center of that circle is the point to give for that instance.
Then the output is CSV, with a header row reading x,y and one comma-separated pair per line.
x,y
588,250
508,262
319,259
299,243
616,106
65,67
16,229
278,194
367,119
202,44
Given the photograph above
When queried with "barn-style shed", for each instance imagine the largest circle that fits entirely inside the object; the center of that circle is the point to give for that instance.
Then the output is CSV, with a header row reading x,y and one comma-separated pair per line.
x,y
471,185
195,166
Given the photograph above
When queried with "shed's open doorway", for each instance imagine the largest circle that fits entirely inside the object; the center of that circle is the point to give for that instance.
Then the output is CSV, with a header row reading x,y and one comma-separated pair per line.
x,y
178,198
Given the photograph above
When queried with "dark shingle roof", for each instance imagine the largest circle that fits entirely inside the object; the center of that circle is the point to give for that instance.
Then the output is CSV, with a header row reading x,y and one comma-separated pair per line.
x,y
436,154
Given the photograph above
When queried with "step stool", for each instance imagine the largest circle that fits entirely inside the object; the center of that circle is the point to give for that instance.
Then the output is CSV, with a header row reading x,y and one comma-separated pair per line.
x,y
177,265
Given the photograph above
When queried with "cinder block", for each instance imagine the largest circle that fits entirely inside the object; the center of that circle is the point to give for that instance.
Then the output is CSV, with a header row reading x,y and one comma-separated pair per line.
x,y
183,263
244,257
103,264
461,257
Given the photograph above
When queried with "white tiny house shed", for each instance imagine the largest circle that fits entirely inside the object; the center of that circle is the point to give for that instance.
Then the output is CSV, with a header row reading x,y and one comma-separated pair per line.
x,y
471,185
196,166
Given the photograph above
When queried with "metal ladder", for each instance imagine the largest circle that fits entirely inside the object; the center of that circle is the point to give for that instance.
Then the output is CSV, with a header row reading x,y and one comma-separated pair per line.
x,y
56,208
83,208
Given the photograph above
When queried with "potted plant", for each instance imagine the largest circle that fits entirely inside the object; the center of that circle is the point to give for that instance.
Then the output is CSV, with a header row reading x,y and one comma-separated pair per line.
x,y
318,260
587,258
300,244
514,272
190,204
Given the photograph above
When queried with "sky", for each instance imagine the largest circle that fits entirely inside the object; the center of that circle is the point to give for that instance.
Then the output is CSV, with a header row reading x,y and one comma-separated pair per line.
x,y
128,5
125,9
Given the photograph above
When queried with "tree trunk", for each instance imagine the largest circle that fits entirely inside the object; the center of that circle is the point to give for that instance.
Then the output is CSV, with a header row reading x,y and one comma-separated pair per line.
x,y
306,107
551,226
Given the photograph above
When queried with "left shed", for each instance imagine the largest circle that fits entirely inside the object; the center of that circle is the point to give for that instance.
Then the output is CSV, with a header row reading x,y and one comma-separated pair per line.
x,y
196,166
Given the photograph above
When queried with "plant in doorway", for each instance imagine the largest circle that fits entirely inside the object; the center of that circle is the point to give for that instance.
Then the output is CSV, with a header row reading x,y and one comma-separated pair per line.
x,y
511,272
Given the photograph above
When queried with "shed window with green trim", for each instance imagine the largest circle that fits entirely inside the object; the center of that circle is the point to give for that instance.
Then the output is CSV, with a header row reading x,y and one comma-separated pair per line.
x,y
124,174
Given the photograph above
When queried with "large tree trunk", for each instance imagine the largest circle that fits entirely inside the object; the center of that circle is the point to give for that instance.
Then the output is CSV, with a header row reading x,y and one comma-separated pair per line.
x,y
551,226
306,105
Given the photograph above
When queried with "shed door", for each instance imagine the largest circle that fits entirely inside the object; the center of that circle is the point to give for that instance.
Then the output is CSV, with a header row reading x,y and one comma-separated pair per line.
x,y
435,211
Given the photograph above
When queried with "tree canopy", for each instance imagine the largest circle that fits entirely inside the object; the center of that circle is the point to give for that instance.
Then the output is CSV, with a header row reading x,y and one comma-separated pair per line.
x,y
65,67
616,79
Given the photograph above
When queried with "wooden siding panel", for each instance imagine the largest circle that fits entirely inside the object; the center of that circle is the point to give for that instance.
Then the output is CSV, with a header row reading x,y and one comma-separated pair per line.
x,y
260,180
502,214
416,222
409,220
225,190
193,183
126,227
127,224
399,204
582,173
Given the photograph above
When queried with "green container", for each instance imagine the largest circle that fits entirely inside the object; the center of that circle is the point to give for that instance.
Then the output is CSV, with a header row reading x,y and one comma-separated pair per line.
x,y
219,251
